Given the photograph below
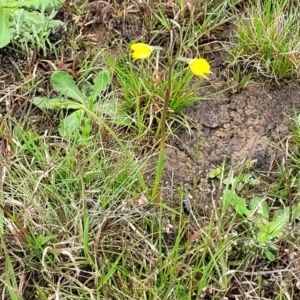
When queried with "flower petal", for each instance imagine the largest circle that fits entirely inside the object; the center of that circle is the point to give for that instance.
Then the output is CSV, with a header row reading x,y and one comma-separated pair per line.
x,y
141,50
200,66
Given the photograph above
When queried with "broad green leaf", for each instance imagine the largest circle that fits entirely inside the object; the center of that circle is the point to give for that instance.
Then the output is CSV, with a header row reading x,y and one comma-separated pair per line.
x,y
231,181
241,207
36,4
270,255
278,224
70,125
244,177
64,84
273,229
239,186
260,207
5,35
261,224
40,4
229,198
111,109
31,17
263,237
9,4
53,103
101,83
53,24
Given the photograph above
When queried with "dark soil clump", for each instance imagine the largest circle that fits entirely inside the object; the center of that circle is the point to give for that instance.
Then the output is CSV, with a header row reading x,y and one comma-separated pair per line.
x,y
235,127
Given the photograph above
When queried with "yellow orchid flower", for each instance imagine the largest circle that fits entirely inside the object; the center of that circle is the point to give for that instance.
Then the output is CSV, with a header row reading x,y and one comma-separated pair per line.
x,y
198,66
142,50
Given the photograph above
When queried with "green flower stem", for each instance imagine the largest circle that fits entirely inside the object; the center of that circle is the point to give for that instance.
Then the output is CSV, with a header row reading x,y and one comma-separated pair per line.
x,y
160,161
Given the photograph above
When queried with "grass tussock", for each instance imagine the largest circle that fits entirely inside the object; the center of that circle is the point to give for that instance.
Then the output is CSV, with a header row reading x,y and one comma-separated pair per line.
x,y
265,39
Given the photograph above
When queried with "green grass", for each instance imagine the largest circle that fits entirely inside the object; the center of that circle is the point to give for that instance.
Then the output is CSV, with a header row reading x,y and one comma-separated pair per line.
x,y
264,39
67,203
78,225
76,216
189,22
59,197
142,91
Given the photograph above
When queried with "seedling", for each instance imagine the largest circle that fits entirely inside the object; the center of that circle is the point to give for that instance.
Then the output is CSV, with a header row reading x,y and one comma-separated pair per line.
x,y
265,227
77,121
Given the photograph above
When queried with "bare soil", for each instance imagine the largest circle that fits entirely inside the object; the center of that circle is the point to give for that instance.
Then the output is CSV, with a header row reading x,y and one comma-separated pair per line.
x,y
249,126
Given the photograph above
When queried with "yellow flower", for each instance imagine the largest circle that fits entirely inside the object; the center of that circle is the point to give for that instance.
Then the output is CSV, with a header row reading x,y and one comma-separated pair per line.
x,y
142,50
199,66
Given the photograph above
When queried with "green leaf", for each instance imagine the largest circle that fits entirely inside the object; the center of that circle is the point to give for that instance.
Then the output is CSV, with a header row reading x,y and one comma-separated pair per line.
x,y
296,211
229,198
5,35
32,18
40,292
263,237
70,125
9,4
241,207
260,207
64,84
272,229
231,181
215,173
53,103
111,109
101,83
41,240
278,224
40,4
270,255
253,181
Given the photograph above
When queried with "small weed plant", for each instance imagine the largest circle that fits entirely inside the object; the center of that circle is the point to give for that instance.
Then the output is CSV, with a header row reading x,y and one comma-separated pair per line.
x,y
28,24
267,222
143,91
77,122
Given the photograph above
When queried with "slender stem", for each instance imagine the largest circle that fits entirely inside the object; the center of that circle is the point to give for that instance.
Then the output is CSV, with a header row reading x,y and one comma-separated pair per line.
x,y
160,161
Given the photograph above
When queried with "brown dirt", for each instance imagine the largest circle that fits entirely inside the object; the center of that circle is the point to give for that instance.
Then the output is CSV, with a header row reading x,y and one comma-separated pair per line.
x,y
232,126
